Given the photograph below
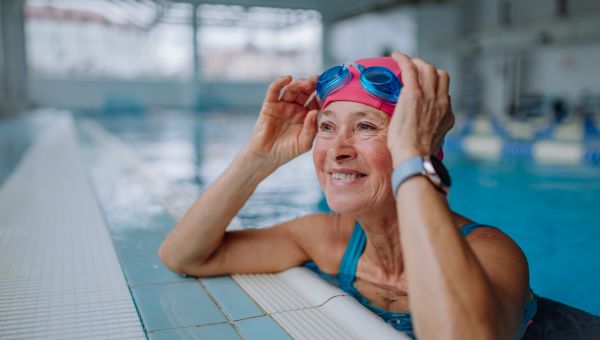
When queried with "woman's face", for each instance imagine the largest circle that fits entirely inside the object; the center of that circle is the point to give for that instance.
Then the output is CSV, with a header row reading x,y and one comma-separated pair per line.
x,y
351,157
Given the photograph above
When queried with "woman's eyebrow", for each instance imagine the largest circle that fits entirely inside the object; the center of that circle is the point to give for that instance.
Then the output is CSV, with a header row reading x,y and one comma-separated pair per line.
x,y
363,113
358,113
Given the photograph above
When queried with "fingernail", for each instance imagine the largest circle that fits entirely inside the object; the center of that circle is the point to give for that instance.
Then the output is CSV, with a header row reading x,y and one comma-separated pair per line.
x,y
281,93
310,98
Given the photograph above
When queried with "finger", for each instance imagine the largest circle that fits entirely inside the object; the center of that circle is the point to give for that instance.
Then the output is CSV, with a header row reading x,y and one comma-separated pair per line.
x,y
306,86
275,88
292,90
312,82
313,105
451,116
301,98
446,124
408,71
443,83
428,77
309,130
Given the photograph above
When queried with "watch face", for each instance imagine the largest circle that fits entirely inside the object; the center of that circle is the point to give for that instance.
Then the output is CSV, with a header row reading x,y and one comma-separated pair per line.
x,y
441,171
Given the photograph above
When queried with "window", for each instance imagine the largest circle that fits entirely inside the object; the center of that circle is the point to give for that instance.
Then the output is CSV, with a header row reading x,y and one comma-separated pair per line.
x,y
147,40
101,39
258,43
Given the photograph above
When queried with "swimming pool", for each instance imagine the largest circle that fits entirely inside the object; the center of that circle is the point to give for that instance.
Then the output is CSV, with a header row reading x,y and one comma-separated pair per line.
x,y
551,211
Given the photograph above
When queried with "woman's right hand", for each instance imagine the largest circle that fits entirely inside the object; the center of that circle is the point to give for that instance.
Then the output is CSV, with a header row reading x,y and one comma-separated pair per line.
x,y
285,127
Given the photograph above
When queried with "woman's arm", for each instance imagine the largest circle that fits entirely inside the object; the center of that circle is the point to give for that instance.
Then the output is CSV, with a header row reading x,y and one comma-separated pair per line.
x,y
457,290
199,245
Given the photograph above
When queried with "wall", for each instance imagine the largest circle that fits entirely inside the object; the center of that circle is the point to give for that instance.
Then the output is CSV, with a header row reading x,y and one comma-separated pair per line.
x,y
565,71
438,25
373,33
107,94
564,65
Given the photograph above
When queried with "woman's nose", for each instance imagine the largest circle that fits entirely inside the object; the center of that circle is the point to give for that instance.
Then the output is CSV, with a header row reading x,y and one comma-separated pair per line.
x,y
342,148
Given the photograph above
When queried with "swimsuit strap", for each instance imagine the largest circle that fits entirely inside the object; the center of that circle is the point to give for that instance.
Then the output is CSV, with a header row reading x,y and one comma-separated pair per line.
x,y
355,248
358,240
470,227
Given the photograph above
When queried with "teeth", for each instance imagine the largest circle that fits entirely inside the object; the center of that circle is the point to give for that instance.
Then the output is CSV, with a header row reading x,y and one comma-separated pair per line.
x,y
339,175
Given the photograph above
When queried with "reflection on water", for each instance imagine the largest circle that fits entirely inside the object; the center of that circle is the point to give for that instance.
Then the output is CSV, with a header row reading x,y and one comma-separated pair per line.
x,y
551,211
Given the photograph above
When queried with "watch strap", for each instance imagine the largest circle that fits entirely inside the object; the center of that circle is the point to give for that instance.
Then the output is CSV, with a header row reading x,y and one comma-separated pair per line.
x,y
405,170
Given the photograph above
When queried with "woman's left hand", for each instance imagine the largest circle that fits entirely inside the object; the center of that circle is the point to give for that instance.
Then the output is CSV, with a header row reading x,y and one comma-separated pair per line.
x,y
423,113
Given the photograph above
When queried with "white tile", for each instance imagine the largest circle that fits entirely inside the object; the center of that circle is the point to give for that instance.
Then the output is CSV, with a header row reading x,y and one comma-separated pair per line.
x,y
59,274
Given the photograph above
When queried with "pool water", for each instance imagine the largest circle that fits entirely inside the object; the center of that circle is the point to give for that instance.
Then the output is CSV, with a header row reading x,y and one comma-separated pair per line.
x,y
552,212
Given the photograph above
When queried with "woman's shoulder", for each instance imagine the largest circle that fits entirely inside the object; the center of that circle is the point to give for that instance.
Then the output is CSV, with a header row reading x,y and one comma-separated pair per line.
x,y
474,230
490,241
324,237
330,225
487,237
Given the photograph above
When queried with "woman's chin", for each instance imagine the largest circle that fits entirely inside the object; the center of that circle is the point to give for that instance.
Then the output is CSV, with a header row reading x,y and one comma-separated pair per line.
x,y
345,206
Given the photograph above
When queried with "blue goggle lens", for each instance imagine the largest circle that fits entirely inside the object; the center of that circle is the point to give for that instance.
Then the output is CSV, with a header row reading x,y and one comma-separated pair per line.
x,y
332,80
382,83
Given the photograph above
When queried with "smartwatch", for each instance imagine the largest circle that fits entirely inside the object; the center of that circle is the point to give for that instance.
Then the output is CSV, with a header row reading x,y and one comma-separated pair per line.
x,y
428,166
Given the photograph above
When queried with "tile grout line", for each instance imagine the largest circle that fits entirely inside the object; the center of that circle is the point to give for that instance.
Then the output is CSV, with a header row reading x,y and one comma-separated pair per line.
x,y
162,330
221,309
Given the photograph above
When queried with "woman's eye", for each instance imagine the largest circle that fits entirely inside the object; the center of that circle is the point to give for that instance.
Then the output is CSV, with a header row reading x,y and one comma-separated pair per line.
x,y
326,127
364,127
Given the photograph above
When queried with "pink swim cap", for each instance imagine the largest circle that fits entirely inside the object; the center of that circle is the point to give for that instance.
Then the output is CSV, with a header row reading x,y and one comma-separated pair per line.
x,y
354,92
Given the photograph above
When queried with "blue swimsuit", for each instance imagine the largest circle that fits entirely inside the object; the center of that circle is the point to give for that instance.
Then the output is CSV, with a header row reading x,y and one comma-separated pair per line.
x,y
400,321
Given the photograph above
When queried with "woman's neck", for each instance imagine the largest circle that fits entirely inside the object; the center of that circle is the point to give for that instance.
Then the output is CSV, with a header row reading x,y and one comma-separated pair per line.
x,y
383,250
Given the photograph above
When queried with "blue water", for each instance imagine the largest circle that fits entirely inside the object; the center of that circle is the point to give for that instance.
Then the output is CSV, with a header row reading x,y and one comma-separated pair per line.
x,y
552,212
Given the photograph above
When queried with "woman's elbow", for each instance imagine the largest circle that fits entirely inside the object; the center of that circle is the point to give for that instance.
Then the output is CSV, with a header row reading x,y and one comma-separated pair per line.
x,y
179,265
170,261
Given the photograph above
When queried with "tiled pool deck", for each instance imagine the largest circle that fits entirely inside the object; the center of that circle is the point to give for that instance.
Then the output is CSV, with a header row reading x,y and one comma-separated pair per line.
x,y
41,255
59,274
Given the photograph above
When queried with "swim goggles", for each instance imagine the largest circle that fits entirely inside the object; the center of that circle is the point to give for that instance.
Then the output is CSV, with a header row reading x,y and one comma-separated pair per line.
x,y
377,81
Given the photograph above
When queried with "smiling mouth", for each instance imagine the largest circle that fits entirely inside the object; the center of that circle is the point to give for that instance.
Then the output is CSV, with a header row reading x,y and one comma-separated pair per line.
x,y
342,176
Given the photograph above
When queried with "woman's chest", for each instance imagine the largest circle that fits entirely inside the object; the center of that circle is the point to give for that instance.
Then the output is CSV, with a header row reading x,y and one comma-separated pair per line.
x,y
391,295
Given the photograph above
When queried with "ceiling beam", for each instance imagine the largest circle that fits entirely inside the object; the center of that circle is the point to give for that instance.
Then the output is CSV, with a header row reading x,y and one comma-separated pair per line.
x,y
366,7
331,10
304,4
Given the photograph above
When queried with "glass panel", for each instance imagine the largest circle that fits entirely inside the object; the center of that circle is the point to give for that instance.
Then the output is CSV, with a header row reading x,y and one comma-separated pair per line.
x,y
108,39
258,43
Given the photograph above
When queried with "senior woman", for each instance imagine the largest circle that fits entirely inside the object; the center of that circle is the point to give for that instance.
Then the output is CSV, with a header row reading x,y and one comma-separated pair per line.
x,y
391,229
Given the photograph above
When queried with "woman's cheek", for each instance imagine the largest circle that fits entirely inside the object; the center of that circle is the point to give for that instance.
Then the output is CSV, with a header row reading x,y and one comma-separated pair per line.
x,y
378,156
319,155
